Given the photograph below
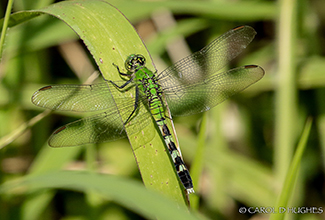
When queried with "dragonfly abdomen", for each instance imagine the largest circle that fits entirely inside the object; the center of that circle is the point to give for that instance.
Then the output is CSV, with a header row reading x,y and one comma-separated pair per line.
x,y
157,110
180,166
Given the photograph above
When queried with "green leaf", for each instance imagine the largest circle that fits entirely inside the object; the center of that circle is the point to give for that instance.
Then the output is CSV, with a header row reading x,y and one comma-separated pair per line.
x,y
110,38
20,17
126,192
291,176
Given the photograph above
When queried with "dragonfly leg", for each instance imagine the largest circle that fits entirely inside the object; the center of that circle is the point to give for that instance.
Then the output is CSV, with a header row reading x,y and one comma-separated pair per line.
x,y
135,104
121,73
122,86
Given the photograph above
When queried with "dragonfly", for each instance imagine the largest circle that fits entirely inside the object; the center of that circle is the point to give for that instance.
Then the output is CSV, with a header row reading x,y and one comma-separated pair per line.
x,y
192,85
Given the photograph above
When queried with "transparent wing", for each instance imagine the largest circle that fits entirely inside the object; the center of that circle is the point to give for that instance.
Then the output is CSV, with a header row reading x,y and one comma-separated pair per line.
x,y
193,84
82,98
203,95
99,128
103,127
209,59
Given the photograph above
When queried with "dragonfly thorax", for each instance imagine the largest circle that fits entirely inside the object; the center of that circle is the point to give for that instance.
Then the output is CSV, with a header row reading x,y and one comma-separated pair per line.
x,y
134,61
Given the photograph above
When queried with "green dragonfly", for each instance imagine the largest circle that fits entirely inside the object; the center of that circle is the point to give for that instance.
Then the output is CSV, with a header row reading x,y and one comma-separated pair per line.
x,y
192,85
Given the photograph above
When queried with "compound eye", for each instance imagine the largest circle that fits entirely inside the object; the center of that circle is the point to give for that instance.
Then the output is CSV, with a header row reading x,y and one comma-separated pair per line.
x,y
134,61
140,59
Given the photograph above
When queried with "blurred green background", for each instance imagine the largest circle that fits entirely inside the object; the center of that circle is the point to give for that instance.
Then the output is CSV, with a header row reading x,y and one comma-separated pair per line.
x,y
250,139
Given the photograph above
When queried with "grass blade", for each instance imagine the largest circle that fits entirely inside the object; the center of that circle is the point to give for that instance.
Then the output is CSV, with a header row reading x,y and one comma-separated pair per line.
x,y
291,177
126,192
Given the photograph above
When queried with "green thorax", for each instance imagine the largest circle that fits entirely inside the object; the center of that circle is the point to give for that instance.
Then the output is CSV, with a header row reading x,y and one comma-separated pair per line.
x,y
147,84
145,79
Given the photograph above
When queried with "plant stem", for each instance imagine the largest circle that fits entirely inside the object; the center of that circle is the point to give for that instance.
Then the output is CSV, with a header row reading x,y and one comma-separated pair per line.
x,y
286,100
5,26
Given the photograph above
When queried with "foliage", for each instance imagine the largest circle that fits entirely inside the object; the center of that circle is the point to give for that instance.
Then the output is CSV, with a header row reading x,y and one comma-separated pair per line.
x,y
241,152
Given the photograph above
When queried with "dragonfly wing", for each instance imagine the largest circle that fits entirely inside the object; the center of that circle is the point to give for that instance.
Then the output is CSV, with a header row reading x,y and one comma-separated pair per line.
x,y
103,127
99,128
193,84
81,98
209,59
187,99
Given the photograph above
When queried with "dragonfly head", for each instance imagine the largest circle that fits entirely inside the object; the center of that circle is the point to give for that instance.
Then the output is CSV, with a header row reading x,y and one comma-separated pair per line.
x,y
134,61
